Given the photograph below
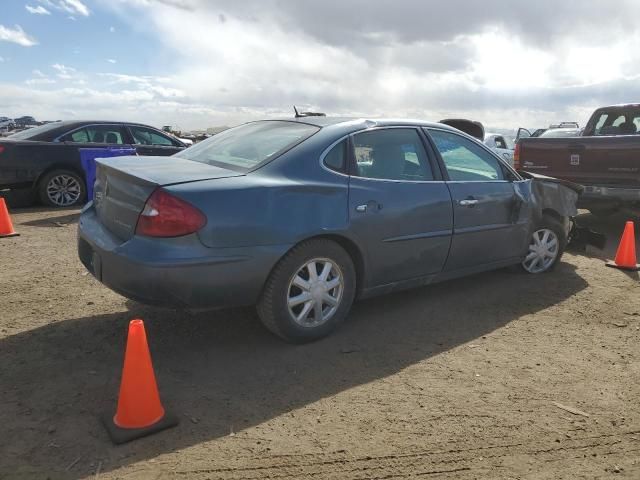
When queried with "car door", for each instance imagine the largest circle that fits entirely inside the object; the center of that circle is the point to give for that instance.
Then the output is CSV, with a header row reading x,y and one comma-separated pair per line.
x,y
399,208
485,204
148,141
94,136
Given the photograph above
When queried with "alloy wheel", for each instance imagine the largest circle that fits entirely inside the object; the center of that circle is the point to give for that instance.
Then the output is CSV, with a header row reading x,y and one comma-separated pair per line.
x,y
315,292
64,190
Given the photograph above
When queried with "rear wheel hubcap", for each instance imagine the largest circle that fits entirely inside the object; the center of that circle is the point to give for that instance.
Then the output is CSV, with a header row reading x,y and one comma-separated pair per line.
x,y
543,251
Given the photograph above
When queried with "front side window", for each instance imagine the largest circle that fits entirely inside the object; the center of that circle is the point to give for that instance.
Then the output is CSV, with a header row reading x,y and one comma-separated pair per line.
x,y
464,160
391,154
147,136
247,146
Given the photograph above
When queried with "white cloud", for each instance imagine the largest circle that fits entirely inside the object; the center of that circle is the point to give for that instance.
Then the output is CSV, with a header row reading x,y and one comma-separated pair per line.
x,y
112,29
17,35
40,81
112,60
37,10
503,63
72,7
64,72
1,59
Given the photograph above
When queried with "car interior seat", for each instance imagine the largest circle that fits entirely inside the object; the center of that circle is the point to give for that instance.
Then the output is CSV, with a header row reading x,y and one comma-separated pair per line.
x,y
98,137
111,137
628,128
388,162
610,130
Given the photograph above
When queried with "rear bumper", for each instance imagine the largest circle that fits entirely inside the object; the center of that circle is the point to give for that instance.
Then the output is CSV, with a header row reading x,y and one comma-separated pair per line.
x,y
175,272
598,195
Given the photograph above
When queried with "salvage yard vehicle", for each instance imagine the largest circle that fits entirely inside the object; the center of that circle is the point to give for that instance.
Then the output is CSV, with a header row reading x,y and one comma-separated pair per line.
x,y
300,217
605,159
499,144
46,159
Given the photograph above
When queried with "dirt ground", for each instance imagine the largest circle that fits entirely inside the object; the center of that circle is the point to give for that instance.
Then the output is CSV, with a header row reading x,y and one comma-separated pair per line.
x,y
457,380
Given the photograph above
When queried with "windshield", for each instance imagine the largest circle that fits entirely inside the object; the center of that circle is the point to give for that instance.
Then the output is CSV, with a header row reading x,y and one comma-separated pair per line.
x,y
247,146
32,132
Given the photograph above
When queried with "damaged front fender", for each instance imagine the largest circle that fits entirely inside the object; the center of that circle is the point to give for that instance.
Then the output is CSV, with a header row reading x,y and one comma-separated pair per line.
x,y
560,197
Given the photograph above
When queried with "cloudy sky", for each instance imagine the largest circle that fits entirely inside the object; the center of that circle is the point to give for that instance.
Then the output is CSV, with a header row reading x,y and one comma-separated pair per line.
x,y
199,63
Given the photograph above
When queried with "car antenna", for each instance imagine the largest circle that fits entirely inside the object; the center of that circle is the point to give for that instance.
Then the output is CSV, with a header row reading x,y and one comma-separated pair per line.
x,y
307,114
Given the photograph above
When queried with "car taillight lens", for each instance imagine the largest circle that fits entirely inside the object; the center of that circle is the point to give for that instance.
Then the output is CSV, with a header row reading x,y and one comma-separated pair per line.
x,y
167,216
1,148
516,157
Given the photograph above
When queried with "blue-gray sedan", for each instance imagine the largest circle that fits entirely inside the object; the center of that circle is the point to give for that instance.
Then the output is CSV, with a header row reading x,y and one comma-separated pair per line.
x,y
300,217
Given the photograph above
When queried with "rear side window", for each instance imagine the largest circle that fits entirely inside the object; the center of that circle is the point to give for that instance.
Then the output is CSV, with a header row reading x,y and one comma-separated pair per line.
x,y
79,136
111,134
247,146
391,154
336,159
464,159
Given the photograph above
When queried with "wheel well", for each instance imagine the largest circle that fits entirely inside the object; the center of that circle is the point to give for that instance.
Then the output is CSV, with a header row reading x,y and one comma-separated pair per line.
x,y
350,247
354,252
553,214
52,168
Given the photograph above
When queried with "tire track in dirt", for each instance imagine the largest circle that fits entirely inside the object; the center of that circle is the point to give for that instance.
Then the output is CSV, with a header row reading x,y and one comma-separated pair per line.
x,y
451,461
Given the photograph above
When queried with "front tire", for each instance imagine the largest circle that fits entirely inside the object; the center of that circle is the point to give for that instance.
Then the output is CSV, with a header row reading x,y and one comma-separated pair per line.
x,y
309,293
546,246
62,188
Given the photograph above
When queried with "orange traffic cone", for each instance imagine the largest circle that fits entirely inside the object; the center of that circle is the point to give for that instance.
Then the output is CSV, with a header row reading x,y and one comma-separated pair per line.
x,y
139,411
6,227
626,254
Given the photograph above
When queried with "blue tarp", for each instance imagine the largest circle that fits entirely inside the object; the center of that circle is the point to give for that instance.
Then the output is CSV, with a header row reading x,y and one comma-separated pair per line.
x,y
88,160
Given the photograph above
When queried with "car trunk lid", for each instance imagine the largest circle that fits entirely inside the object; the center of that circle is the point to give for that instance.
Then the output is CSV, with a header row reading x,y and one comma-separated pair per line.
x,y
123,185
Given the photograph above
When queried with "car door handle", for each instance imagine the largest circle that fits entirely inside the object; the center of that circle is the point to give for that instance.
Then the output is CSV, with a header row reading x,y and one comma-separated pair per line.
x,y
371,205
470,202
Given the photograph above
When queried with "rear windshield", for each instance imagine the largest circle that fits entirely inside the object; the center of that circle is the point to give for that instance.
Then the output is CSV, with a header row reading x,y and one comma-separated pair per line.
x,y
616,121
32,132
245,147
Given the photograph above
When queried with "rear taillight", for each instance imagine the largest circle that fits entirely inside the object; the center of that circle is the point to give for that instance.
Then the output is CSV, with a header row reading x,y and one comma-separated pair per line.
x,y
1,148
167,216
516,157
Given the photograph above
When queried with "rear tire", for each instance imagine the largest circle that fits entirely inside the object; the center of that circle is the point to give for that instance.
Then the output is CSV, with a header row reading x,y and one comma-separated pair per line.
x,y
300,306
547,243
62,188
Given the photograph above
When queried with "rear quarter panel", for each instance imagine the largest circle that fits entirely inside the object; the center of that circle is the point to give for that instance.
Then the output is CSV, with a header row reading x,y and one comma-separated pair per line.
x,y
23,163
271,206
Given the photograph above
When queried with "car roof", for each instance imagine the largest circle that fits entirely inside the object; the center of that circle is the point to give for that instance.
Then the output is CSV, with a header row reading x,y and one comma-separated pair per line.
x,y
365,121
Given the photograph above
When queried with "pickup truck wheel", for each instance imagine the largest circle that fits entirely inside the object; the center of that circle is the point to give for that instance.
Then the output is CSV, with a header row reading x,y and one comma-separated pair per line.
x,y
546,246
62,188
309,293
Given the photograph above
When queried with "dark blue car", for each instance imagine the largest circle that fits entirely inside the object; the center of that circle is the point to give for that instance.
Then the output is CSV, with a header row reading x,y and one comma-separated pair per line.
x,y
300,217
